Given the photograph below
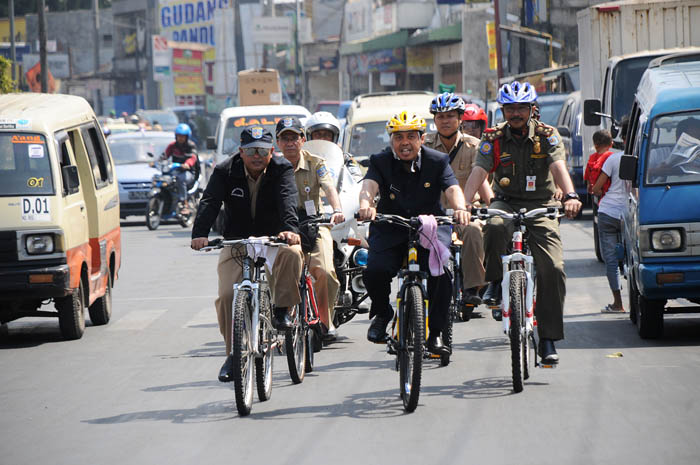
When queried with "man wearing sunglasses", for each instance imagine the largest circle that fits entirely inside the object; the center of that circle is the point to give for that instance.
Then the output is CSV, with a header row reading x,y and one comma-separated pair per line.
x,y
312,177
260,199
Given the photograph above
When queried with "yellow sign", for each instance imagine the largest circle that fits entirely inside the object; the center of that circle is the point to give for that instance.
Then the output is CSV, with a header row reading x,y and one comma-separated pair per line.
x,y
493,59
491,34
188,84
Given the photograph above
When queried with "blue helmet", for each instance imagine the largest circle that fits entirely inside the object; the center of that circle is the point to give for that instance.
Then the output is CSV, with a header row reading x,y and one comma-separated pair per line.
x,y
183,129
515,92
447,101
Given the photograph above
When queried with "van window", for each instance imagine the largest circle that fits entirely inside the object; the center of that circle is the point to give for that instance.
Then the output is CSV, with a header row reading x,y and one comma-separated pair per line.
x,y
101,169
369,138
64,156
674,150
25,168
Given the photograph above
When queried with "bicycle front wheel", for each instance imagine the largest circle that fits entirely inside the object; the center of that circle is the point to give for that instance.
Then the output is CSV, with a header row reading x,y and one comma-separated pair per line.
x,y
518,333
263,365
243,354
411,348
296,346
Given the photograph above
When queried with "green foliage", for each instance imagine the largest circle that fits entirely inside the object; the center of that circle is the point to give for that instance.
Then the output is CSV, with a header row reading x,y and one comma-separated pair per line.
x,y
7,85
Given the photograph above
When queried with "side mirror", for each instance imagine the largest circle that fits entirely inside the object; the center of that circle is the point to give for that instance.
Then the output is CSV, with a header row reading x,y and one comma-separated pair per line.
x,y
564,131
211,143
628,168
591,108
150,154
71,181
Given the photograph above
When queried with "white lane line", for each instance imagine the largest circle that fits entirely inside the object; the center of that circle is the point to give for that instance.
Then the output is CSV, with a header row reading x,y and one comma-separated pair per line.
x,y
136,320
131,299
205,317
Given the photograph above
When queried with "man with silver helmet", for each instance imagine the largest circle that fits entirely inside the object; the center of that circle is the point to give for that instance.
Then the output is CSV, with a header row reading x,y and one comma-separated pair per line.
x,y
322,125
527,159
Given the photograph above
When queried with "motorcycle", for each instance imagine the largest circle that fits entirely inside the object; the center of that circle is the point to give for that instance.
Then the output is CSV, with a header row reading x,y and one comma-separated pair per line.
x,y
350,249
163,201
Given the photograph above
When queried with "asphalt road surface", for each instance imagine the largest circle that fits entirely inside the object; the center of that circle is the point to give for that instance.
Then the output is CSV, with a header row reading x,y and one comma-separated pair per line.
x,y
143,389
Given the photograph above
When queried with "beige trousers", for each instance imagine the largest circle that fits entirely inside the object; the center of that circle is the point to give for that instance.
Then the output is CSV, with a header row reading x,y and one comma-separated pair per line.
x,y
326,282
473,272
283,280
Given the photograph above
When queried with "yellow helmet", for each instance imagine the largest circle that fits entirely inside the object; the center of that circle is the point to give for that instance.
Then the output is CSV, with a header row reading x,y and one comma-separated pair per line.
x,y
402,122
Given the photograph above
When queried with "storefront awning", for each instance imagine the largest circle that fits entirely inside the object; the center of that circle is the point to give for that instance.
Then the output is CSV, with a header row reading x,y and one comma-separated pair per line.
x,y
394,40
451,33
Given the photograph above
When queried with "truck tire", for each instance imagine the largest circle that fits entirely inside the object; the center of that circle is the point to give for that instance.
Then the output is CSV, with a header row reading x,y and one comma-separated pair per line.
x,y
71,314
101,309
650,317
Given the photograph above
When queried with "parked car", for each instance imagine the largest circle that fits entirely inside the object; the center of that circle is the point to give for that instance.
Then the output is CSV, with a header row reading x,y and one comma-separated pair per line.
x,y
550,105
118,128
166,118
661,223
568,123
133,164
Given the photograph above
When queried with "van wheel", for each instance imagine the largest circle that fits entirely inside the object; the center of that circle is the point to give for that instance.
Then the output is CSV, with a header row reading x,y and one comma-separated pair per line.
x,y
71,314
101,310
153,214
650,317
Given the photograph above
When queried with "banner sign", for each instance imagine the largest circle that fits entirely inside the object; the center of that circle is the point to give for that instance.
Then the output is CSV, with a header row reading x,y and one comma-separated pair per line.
x,y
190,20
187,72
379,61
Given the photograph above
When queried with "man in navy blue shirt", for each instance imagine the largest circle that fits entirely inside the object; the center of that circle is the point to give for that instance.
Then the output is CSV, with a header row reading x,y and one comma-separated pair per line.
x,y
409,178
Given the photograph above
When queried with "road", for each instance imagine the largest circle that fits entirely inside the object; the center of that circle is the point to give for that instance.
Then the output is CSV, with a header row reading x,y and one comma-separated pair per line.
x,y
143,389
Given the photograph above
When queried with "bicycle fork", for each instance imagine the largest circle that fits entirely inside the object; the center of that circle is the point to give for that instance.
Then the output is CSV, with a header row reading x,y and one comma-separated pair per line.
x,y
525,262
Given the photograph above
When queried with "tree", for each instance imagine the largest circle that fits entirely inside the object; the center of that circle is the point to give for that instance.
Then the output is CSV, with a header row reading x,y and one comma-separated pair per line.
x,y
7,85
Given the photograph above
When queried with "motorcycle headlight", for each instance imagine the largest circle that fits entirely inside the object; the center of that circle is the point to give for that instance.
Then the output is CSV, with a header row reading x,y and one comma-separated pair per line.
x,y
666,240
38,244
360,257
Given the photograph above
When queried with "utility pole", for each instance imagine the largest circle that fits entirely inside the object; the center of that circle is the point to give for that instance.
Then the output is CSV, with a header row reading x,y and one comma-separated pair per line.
x,y
13,53
297,78
42,48
96,34
238,36
499,56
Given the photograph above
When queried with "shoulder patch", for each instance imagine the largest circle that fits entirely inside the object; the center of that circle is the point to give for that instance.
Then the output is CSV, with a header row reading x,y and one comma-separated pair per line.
x,y
485,148
553,140
321,171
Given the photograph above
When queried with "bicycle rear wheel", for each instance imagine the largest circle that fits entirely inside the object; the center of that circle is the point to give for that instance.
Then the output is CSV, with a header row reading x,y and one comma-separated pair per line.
x,y
411,350
263,365
295,344
242,353
518,335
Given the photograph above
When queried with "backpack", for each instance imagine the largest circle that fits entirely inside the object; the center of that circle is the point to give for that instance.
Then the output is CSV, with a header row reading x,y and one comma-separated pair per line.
x,y
593,169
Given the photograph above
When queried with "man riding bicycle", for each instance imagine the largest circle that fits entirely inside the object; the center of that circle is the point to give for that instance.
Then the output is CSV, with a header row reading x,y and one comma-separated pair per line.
x,y
409,179
311,177
527,159
462,149
260,199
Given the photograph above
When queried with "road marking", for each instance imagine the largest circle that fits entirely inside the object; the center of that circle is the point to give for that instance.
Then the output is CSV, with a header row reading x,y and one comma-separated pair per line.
x,y
131,299
204,317
136,320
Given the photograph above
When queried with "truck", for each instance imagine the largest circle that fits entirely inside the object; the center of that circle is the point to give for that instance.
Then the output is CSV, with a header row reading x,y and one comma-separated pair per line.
x,y
617,40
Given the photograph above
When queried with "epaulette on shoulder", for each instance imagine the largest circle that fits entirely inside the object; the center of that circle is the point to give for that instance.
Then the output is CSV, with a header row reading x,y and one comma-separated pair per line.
x,y
491,134
544,129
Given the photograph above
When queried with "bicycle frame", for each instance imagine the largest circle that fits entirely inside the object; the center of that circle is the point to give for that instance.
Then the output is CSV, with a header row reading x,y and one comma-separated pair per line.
x,y
253,275
517,261
410,276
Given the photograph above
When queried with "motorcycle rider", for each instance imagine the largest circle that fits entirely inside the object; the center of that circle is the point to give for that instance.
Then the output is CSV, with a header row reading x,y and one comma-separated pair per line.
x,y
322,125
447,109
527,158
410,179
474,120
260,199
311,176
183,151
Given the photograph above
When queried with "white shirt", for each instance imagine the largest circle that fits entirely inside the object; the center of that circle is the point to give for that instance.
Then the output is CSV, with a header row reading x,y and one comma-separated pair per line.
x,y
614,201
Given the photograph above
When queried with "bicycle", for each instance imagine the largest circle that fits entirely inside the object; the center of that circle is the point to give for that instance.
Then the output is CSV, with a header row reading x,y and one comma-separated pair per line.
x,y
408,327
518,288
253,337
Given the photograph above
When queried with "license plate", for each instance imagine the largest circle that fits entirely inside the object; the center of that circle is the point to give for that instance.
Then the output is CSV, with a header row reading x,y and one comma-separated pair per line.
x,y
138,195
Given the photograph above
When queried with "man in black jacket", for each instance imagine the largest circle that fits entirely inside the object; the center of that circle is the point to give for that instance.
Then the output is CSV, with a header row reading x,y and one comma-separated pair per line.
x,y
259,194
409,179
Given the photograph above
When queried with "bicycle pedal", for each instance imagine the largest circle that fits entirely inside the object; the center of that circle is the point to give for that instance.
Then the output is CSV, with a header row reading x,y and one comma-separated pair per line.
x,y
547,365
429,355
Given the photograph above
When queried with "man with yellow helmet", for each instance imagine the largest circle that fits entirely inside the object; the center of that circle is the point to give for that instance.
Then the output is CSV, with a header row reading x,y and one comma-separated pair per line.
x,y
409,179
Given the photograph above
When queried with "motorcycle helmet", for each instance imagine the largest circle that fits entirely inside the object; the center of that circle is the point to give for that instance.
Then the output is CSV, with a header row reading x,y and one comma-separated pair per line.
x,y
322,120
402,122
473,112
447,101
183,129
516,92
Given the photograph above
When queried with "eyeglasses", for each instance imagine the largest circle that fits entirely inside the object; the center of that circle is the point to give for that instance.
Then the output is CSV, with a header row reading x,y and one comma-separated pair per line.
x,y
289,138
251,151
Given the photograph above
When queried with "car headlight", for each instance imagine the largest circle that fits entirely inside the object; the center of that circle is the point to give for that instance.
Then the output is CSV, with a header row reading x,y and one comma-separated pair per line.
x,y
360,257
38,244
666,239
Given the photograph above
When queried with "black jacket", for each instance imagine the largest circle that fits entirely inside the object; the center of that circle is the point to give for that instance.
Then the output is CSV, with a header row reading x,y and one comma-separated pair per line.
x,y
405,193
276,203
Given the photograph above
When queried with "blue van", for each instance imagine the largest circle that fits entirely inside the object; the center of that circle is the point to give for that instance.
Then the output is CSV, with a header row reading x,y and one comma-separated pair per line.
x,y
661,226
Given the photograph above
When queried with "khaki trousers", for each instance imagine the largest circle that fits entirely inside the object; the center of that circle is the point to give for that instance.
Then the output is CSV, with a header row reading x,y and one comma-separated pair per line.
x,y
326,282
283,280
473,272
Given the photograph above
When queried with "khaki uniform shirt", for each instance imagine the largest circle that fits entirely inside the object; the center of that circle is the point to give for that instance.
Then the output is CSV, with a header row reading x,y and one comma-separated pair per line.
x,y
464,158
253,187
521,165
311,176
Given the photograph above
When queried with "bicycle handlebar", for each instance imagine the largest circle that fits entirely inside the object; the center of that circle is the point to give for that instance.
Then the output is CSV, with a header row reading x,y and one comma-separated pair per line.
x,y
398,220
220,243
549,212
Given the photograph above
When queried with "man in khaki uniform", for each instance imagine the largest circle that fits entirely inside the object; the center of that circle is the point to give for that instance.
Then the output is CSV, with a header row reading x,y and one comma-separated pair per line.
x,y
311,177
527,159
462,150
260,199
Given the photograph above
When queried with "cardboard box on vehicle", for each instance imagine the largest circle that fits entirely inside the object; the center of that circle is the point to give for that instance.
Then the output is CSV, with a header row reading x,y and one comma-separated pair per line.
x,y
259,87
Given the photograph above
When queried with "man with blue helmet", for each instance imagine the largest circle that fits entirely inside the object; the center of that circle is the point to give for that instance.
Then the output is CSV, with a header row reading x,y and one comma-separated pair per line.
x,y
183,151
527,159
461,148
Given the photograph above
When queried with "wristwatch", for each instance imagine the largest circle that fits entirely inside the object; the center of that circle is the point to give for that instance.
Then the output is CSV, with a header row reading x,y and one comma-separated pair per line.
x,y
337,211
571,196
